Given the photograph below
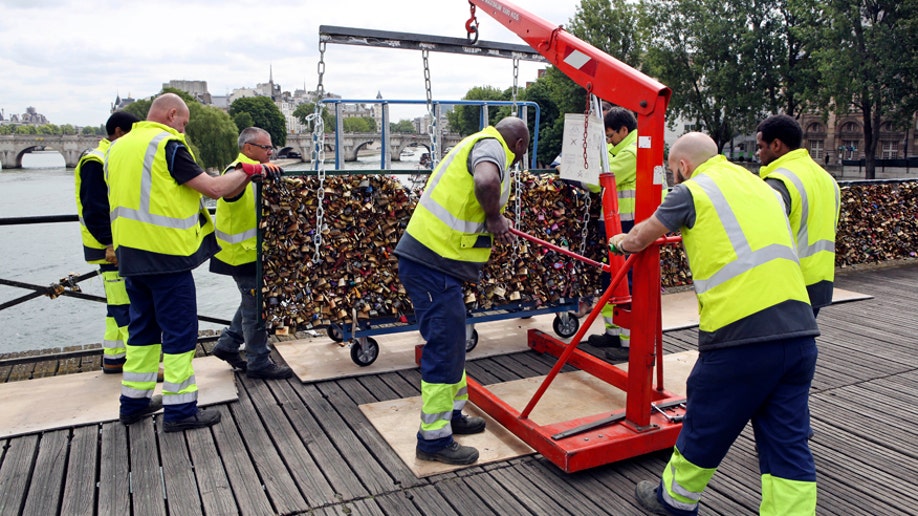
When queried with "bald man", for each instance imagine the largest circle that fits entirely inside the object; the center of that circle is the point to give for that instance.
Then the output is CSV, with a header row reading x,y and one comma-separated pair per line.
x,y
447,242
161,231
756,337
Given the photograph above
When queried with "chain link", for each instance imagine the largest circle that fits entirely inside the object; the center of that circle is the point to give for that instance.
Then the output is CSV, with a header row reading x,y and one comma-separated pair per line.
x,y
586,127
515,90
318,156
585,230
432,126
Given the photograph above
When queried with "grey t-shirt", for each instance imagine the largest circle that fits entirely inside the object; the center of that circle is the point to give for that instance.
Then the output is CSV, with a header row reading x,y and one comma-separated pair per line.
x,y
677,209
488,149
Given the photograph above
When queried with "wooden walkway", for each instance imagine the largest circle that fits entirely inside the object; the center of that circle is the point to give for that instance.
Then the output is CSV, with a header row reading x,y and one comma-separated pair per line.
x,y
290,448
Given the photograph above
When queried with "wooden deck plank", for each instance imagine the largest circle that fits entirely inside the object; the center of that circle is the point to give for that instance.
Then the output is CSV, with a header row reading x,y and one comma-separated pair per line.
x,y
489,492
178,471
370,455
401,503
337,471
48,478
196,482
114,470
280,486
432,500
147,488
247,489
307,474
80,487
15,469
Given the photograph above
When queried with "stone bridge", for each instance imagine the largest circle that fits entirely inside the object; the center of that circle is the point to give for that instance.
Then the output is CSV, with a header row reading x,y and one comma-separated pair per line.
x,y
71,147
353,143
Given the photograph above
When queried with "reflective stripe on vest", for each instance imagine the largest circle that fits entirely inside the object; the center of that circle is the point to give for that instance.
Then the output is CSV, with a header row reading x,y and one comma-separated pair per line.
x,y
143,214
236,222
93,250
448,219
804,248
746,258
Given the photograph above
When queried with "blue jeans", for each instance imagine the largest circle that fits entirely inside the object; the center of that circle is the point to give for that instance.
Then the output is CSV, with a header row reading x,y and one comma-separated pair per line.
x,y
244,327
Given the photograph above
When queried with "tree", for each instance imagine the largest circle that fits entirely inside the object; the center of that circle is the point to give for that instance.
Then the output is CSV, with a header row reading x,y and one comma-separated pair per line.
x,y
467,119
265,115
402,126
211,133
867,61
308,108
359,124
703,50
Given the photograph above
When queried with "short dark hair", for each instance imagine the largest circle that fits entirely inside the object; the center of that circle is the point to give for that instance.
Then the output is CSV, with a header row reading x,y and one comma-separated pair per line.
x,y
781,127
618,117
122,120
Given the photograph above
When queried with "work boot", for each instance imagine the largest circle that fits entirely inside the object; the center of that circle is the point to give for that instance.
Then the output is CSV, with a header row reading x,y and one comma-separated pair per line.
x,y
112,367
617,354
604,341
646,493
202,419
272,372
455,453
465,425
156,403
232,358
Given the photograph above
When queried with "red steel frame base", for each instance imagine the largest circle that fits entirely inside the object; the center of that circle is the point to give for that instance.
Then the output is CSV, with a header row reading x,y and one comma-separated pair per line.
x,y
606,444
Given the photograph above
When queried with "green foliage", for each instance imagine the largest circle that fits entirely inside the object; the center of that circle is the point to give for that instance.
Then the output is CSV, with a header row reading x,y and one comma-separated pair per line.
x,y
243,120
215,135
308,108
467,119
865,51
402,126
359,124
26,129
265,115
6,129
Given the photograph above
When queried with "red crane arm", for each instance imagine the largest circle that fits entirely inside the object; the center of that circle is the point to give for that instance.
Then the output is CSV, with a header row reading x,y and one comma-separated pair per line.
x,y
601,74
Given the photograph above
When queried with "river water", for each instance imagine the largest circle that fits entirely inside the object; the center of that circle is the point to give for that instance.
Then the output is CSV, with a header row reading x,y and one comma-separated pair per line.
x,y
41,254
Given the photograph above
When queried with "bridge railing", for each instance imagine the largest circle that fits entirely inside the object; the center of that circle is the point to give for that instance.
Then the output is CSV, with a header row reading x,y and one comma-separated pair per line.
x,y
385,157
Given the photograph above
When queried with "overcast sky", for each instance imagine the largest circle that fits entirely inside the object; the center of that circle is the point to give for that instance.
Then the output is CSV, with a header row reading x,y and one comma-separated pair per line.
x,y
69,59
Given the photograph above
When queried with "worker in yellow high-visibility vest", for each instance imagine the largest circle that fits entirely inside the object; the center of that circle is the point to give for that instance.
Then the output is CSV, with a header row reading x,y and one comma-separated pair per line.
x,y
756,335
447,242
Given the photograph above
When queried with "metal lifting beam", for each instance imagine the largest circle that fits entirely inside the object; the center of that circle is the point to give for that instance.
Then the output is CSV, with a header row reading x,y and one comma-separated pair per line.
x,y
405,40
599,439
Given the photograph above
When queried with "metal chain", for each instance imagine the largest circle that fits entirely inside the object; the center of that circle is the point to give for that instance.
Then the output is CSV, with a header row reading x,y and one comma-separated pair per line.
x,y
318,156
586,126
585,230
432,126
516,76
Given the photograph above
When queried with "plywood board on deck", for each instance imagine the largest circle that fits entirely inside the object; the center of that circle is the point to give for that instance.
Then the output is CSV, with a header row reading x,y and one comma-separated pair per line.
x,y
397,420
320,358
85,398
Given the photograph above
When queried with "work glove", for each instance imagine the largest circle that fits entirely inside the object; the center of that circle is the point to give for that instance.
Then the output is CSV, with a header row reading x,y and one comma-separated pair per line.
x,y
273,172
255,171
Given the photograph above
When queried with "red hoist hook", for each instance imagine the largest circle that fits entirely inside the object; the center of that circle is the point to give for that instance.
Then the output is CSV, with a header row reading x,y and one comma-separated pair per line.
x,y
471,26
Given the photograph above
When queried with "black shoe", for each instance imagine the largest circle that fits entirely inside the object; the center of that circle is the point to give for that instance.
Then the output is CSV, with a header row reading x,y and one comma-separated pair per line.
x,y
453,454
203,418
272,372
465,425
112,368
233,359
617,354
646,493
156,403
605,341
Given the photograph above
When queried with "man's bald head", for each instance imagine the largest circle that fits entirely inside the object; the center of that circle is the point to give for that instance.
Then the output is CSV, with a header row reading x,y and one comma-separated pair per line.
x,y
169,109
515,133
689,151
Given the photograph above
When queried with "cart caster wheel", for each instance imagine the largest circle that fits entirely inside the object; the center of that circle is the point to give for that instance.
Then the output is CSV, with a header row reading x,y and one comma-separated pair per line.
x,y
566,326
366,353
335,332
471,341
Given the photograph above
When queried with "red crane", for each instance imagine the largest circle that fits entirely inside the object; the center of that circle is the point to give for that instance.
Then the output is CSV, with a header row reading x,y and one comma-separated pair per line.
x,y
652,417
